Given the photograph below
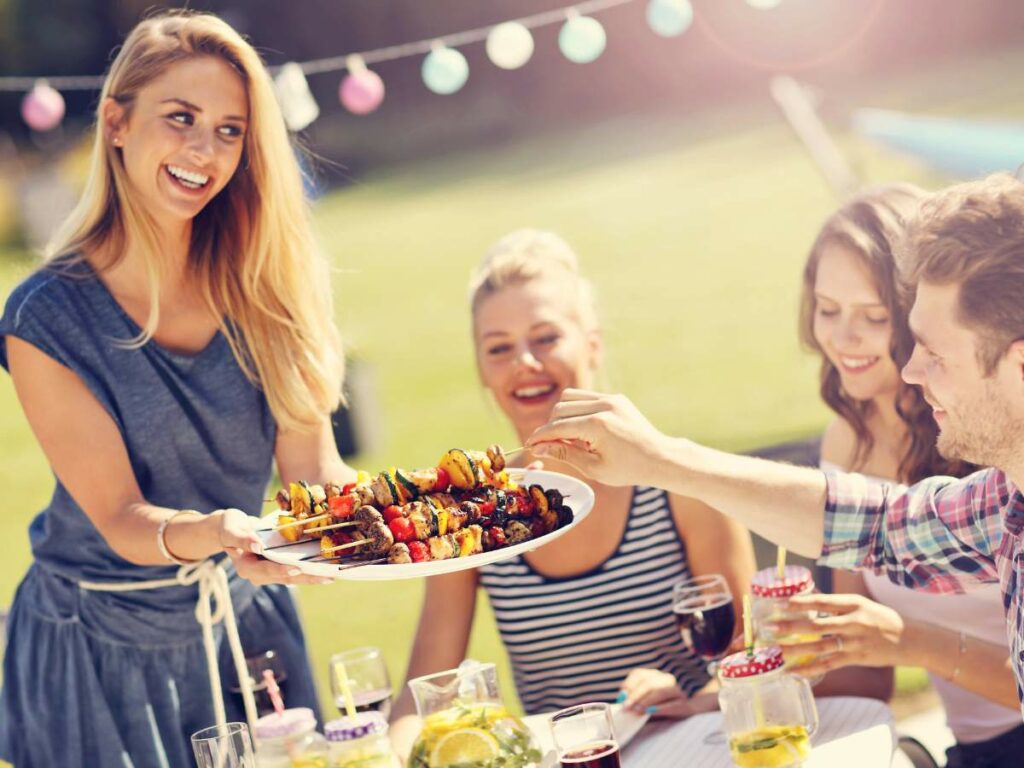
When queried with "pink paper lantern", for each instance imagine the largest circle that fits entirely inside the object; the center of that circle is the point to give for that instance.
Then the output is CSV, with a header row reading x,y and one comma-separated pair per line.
x,y
42,109
361,91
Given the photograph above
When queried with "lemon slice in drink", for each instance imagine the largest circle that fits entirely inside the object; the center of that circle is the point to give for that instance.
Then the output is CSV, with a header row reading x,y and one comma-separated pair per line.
x,y
468,745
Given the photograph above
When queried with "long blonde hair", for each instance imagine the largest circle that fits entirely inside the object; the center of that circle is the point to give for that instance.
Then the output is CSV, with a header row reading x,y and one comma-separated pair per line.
x,y
252,252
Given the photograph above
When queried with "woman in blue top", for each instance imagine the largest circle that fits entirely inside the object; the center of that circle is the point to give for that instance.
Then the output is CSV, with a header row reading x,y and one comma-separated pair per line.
x,y
176,343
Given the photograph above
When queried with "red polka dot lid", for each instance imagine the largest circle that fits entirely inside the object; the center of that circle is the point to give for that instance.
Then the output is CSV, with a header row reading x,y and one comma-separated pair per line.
x,y
796,579
766,659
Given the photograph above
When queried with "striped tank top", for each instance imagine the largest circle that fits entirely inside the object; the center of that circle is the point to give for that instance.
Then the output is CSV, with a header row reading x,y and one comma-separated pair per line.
x,y
575,638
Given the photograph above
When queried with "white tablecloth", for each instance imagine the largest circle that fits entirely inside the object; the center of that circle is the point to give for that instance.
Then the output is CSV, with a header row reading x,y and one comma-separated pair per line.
x,y
853,732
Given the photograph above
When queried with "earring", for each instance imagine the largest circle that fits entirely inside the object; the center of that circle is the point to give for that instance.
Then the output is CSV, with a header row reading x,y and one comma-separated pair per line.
x,y
116,141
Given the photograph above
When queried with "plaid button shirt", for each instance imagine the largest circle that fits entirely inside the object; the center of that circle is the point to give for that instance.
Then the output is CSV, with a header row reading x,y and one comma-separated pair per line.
x,y
941,535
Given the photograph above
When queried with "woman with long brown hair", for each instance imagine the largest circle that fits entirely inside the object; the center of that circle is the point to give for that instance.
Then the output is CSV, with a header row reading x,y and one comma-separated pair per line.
x,y
853,317
176,342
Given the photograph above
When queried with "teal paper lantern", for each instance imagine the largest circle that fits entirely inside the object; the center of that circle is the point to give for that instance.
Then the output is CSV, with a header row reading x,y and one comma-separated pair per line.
x,y
445,70
669,18
582,39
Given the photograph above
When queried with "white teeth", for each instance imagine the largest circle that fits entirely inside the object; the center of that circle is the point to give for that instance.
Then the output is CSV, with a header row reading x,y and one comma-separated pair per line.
x,y
534,391
857,362
189,178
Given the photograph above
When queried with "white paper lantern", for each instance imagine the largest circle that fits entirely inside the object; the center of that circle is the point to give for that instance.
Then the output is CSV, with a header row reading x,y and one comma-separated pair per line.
x,y
297,103
509,45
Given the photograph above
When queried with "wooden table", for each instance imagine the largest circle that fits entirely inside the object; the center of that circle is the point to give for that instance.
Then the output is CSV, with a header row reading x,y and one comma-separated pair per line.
x,y
853,732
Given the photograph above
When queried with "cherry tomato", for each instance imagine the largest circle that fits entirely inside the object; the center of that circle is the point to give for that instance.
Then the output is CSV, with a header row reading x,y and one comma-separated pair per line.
x,y
497,536
418,552
392,512
402,529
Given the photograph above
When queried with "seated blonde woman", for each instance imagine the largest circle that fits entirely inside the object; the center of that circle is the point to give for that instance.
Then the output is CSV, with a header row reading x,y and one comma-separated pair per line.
x,y
588,617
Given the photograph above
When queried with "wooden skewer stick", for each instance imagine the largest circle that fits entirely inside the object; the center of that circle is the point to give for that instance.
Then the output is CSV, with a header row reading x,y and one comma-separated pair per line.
x,y
345,563
305,521
338,548
323,528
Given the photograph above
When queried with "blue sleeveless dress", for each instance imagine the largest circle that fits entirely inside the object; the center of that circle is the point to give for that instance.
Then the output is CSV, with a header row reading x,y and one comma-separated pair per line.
x,y
575,638
120,679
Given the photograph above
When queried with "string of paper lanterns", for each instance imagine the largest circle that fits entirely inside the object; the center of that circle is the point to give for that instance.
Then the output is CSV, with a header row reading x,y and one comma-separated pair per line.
x,y
444,69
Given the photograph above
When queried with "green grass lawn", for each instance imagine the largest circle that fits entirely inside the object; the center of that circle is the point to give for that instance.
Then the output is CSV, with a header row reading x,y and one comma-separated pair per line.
x,y
694,232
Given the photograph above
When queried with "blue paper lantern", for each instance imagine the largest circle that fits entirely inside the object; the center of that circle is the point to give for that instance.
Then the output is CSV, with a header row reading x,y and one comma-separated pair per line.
x,y
445,70
582,39
669,18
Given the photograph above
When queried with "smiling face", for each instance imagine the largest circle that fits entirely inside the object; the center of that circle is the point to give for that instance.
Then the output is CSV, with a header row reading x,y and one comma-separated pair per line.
x,y
181,140
530,346
852,325
980,418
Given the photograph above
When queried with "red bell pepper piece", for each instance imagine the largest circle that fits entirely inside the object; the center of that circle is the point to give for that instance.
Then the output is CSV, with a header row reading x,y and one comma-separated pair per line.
x,y
341,506
443,481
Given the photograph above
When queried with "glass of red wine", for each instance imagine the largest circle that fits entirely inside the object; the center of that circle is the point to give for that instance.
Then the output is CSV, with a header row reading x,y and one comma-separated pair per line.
x,y
368,680
585,737
705,616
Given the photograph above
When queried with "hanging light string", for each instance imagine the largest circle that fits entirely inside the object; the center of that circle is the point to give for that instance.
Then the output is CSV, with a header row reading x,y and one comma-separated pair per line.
x,y
343,62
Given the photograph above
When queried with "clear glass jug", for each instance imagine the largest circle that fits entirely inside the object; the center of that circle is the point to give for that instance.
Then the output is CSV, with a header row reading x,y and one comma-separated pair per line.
x,y
768,715
465,722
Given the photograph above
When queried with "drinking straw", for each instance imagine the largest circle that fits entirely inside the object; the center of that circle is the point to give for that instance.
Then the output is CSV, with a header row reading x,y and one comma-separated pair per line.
x,y
273,691
341,678
780,563
748,626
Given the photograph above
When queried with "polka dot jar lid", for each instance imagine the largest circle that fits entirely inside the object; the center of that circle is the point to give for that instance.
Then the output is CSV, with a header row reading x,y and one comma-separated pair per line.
x,y
766,582
740,665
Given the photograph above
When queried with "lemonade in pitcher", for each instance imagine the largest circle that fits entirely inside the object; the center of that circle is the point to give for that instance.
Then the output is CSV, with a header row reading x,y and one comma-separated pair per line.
x,y
466,725
770,747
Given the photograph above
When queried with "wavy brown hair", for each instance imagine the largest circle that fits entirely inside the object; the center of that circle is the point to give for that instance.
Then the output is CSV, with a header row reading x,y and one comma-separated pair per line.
x,y
870,224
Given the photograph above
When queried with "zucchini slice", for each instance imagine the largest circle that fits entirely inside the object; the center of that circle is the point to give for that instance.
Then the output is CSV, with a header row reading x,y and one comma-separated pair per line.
x,y
406,486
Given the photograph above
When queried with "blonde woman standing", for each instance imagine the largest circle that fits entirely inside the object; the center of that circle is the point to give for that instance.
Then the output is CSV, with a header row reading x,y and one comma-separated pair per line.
x,y
174,345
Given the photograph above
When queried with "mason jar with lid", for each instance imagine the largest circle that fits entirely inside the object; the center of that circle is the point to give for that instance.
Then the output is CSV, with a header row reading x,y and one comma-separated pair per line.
x,y
290,740
360,742
768,715
769,604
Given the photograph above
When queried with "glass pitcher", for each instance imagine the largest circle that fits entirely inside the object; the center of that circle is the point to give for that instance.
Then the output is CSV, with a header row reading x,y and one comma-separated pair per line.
x,y
465,722
768,715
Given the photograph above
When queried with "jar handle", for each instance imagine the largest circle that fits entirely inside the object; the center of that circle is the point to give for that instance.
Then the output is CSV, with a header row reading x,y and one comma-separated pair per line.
x,y
809,707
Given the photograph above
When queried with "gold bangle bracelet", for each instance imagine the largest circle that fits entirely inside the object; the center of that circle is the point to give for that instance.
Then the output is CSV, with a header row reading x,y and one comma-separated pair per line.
x,y
161,537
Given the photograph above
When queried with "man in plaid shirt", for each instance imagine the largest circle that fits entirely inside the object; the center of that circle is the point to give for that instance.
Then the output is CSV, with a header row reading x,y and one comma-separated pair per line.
x,y
963,257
